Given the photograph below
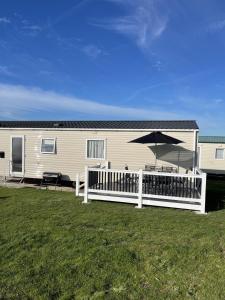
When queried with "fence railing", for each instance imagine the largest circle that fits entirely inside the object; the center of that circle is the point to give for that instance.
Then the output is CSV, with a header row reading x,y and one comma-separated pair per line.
x,y
80,178
185,191
198,171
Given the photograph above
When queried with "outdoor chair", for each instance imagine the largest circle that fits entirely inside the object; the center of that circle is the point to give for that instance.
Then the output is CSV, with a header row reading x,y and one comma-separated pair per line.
x,y
152,168
129,181
149,168
51,178
168,169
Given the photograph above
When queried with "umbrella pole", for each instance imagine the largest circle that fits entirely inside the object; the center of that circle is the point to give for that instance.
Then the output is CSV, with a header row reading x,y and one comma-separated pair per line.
x,y
178,161
155,155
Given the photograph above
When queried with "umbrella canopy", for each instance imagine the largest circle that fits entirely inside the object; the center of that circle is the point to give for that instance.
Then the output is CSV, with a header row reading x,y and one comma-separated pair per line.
x,y
156,137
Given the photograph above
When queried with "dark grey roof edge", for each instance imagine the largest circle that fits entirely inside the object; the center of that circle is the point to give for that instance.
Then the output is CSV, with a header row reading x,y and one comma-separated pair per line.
x,y
107,124
211,139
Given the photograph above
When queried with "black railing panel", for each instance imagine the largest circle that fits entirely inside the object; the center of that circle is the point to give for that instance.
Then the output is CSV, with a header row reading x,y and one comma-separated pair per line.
x,y
113,181
174,186
152,184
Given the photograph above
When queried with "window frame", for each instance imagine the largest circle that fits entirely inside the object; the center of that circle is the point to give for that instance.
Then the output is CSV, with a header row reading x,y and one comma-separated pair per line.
x,y
216,153
95,139
48,138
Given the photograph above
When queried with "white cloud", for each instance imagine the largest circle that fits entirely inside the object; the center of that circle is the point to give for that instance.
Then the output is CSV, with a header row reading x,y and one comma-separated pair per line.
x,y
4,20
219,101
216,26
92,51
143,23
21,102
31,30
158,65
32,27
4,70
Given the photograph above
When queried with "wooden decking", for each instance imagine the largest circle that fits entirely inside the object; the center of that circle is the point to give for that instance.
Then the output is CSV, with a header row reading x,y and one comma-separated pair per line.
x,y
186,191
151,185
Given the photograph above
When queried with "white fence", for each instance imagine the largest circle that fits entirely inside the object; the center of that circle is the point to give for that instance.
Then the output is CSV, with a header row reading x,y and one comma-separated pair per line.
x,y
186,191
80,177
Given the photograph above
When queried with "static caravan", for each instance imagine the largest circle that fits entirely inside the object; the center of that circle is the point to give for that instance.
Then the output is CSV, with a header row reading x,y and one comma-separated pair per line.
x,y
29,148
211,154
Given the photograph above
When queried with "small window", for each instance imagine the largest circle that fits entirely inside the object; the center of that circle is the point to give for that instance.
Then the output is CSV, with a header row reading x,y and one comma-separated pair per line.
x,y
219,153
48,146
96,149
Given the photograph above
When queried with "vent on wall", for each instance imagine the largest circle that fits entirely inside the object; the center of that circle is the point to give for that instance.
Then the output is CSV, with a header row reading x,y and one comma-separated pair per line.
x,y
2,154
58,124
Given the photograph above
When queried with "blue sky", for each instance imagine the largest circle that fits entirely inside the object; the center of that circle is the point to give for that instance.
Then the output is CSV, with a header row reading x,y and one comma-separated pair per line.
x,y
114,59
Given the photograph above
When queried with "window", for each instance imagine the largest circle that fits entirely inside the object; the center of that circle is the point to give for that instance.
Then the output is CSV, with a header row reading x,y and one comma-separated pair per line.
x,y
96,149
48,146
219,153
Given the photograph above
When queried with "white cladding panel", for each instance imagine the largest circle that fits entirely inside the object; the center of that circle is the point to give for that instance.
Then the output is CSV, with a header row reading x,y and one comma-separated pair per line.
x,y
70,152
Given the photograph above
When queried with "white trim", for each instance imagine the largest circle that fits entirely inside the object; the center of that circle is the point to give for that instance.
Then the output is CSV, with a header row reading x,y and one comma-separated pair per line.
x,y
199,171
140,189
172,198
86,185
48,138
113,170
203,192
172,174
17,174
95,139
199,156
137,195
223,153
113,199
147,173
195,143
140,198
112,192
146,202
171,204
101,129
77,184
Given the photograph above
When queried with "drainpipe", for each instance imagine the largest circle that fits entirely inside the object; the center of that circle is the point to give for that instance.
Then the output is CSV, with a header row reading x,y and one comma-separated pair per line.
x,y
195,143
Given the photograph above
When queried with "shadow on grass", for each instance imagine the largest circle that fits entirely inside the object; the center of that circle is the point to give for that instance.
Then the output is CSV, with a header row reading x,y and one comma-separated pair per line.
x,y
215,194
4,198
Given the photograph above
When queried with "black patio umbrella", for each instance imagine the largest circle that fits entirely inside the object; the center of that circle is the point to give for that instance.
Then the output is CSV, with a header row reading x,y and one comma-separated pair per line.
x,y
156,137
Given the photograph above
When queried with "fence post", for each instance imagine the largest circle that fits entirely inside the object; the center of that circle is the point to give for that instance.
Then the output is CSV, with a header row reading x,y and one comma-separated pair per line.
x,y
86,173
203,193
77,184
140,184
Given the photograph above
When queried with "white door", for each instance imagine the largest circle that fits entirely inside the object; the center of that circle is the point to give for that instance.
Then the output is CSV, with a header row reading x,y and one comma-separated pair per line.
x,y
17,156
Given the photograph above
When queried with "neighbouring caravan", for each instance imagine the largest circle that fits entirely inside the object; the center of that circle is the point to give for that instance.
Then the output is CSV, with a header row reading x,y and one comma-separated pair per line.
x,y
211,154
29,148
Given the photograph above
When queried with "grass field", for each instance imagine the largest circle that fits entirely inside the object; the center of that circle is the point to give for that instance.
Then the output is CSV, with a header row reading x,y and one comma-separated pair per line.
x,y
53,247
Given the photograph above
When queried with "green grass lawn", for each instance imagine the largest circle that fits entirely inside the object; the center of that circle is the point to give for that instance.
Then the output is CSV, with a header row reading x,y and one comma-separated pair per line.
x,y
53,247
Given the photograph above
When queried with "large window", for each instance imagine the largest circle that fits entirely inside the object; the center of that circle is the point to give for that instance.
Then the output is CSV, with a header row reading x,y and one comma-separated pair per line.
x,y
48,145
96,149
219,153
